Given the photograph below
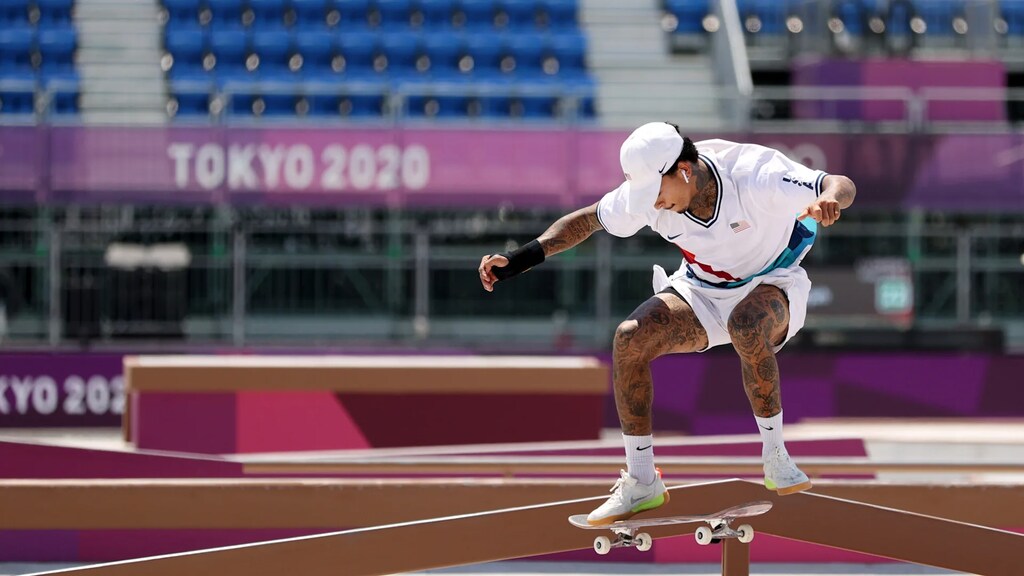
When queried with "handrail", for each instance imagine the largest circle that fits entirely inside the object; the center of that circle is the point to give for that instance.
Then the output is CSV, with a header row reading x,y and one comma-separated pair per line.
x,y
542,529
731,61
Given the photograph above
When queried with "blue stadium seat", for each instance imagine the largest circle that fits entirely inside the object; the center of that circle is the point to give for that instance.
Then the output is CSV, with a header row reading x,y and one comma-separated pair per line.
x,y
182,12
317,48
689,15
13,13
853,14
938,15
192,94
230,48
225,13
54,12
897,21
519,14
486,50
358,50
187,46
560,14
394,14
525,54
1013,13
770,15
268,13
361,98
400,51
17,93
274,49
443,51
310,14
56,48
477,14
437,14
352,14
16,46
568,52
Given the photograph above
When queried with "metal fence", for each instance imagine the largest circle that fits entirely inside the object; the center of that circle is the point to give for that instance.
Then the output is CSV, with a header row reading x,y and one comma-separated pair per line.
x,y
378,277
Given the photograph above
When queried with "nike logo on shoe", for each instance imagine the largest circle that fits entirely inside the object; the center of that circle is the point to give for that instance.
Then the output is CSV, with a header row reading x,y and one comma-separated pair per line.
x,y
635,500
639,449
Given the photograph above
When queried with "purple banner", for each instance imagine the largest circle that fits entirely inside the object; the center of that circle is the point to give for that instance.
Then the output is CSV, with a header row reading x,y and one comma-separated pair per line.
x,y
459,167
57,390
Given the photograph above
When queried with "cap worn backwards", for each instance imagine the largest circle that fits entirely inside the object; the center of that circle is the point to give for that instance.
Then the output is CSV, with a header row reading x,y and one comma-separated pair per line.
x,y
646,155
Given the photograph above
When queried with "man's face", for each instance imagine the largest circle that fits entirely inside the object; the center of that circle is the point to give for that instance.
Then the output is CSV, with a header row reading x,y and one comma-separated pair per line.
x,y
676,192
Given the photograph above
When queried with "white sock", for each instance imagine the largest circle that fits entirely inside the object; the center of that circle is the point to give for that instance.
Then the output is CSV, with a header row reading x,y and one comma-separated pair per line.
x,y
771,432
640,457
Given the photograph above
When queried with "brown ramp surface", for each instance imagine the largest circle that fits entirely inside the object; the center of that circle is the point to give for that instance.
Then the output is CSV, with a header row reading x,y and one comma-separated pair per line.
x,y
543,529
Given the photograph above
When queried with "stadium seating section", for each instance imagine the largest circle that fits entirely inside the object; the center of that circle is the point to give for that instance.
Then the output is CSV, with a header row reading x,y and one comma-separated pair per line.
x,y
37,46
454,59
894,26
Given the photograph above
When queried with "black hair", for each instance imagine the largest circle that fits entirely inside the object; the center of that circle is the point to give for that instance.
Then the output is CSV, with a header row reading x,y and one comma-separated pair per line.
x,y
689,153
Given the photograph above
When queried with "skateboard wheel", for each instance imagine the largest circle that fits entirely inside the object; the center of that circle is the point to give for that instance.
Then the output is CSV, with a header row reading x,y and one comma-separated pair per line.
x,y
602,545
702,535
746,533
643,541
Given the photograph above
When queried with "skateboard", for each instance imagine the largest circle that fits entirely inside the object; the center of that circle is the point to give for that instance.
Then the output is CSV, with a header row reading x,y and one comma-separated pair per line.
x,y
718,527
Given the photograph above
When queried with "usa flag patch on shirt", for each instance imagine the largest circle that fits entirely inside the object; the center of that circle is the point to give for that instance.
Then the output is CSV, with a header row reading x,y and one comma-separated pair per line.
x,y
740,226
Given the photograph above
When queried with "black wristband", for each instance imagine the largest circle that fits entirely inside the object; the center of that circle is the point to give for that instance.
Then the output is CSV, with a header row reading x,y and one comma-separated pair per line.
x,y
520,260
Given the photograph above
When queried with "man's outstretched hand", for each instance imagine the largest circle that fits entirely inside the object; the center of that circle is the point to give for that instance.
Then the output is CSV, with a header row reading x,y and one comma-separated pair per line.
x,y
487,277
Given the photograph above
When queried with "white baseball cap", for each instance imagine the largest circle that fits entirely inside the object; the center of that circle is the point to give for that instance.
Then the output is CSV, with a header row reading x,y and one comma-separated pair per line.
x,y
645,156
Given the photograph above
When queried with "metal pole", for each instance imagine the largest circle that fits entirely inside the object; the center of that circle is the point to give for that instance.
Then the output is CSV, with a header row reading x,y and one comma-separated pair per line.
x,y
238,288
963,277
421,310
54,327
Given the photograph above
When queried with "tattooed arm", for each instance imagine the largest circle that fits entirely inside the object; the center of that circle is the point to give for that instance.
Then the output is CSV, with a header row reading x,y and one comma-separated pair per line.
x,y
566,232
837,194
570,230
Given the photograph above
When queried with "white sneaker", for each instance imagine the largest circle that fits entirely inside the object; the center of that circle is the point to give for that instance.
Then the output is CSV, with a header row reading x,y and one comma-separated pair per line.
x,y
782,475
628,498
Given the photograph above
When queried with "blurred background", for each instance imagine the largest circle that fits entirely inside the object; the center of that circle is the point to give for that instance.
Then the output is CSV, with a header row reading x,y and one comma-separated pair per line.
x,y
306,178
215,175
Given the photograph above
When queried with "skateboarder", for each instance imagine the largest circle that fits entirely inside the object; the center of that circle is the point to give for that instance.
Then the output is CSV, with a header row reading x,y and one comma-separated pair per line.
x,y
743,217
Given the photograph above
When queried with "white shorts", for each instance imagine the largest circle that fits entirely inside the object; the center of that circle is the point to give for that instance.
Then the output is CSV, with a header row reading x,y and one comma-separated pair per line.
x,y
713,306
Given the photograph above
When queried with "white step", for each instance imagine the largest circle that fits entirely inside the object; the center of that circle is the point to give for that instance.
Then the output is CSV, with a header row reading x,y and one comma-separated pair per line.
x,y
125,117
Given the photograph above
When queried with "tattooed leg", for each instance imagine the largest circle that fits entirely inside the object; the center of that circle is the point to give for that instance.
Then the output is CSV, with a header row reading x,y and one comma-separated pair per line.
x,y
757,324
664,324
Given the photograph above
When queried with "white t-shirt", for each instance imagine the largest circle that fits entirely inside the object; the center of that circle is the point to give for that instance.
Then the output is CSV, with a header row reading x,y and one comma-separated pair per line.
x,y
754,227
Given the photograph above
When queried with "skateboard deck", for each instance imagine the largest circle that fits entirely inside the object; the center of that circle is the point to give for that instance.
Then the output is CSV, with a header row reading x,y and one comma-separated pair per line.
x,y
718,527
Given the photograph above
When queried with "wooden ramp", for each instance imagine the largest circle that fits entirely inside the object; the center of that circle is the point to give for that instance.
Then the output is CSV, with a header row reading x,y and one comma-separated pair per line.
x,y
542,529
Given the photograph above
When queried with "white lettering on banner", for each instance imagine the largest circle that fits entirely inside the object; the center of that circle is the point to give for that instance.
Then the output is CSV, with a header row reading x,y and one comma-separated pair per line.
x,y
415,167
40,395
390,157
271,159
333,177
362,167
210,166
74,387
22,393
810,155
44,395
297,167
240,171
181,153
